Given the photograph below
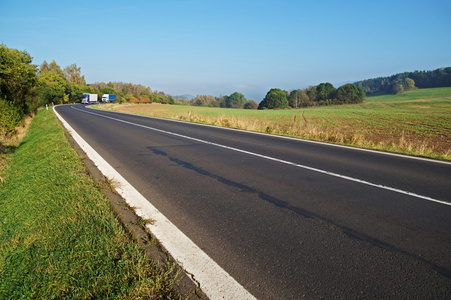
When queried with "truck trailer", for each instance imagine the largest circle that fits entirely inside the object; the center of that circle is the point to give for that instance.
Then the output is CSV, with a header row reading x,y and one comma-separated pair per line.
x,y
108,98
88,98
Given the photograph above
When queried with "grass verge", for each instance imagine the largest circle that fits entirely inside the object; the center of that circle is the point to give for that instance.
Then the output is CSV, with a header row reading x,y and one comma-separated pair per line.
x,y
58,236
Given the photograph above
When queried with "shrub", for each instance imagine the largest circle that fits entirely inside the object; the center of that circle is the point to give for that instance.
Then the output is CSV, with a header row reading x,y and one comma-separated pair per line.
x,y
251,104
10,117
275,98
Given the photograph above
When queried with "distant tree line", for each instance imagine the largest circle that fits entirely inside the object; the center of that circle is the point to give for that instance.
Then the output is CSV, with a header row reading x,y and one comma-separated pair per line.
x,y
59,86
322,94
24,87
401,82
235,100
132,93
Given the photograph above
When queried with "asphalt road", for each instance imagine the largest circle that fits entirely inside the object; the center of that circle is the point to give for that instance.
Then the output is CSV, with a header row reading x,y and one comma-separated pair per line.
x,y
288,218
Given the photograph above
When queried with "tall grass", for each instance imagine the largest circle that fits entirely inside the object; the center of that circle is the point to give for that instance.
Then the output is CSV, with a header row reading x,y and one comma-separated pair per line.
x,y
58,237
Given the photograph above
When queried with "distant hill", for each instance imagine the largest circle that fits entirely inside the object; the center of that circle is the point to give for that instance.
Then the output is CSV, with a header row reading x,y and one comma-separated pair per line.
x,y
185,96
423,79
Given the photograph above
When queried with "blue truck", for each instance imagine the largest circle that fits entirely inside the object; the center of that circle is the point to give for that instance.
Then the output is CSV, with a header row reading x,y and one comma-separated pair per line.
x,y
108,98
88,98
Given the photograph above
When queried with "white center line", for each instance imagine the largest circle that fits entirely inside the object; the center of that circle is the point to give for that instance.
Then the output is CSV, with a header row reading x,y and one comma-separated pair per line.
x,y
277,160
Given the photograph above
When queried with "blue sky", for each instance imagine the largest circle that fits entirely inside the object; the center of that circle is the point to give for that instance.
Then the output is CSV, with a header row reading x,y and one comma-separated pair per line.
x,y
220,47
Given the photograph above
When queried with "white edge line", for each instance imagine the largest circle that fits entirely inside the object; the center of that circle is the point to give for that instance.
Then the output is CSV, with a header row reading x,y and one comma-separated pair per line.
x,y
279,160
214,281
292,138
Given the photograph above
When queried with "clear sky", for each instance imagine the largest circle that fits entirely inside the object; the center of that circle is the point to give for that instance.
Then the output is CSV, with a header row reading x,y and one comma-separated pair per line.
x,y
218,47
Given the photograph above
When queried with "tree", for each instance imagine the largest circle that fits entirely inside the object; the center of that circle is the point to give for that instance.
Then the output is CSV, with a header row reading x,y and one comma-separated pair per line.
x,y
18,79
44,67
107,90
61,86
311,93
275,98
397,88
73,74
55,68
251,104
53,88
325,91
350,93
171,100
408,84
76,91
236,100
298,98
204,100
402,85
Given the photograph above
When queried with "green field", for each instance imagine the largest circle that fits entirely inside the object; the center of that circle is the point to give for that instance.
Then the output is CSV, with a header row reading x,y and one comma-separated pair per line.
x,y
59,238
417,122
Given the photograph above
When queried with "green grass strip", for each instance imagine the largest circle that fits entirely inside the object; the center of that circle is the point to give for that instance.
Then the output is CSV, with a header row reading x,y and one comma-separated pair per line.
x,y
58,237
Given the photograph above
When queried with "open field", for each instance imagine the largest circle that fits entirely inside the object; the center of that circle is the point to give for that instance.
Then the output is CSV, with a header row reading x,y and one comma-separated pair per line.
x,y
59,238
415,123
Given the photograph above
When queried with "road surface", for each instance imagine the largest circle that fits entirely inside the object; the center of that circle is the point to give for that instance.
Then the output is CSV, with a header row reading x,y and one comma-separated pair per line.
x,y
287,218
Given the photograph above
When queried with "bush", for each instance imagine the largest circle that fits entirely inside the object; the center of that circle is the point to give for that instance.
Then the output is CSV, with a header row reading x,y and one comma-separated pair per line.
x,y
18,79
10,117
275,98
251,104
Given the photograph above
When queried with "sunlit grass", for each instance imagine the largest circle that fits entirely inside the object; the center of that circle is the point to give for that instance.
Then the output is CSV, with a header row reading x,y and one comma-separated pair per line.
x,y
59,239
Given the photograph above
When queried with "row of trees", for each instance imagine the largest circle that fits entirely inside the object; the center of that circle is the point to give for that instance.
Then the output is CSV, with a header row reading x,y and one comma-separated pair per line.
x,y
322,94
235,100
56,85
132,93
66,86
24,87
401,82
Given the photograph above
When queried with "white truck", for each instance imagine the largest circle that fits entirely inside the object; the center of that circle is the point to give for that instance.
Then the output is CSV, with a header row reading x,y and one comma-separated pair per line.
x,y
108,98
89,98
